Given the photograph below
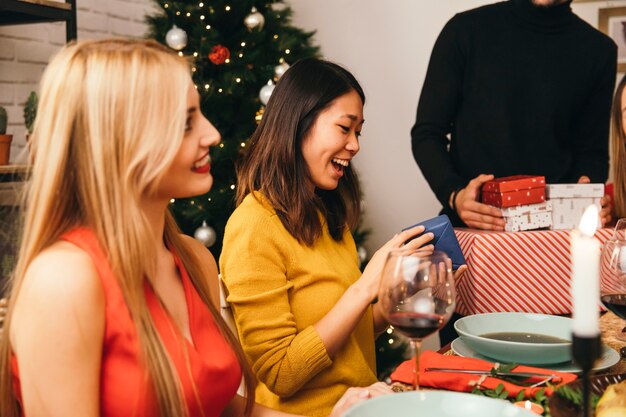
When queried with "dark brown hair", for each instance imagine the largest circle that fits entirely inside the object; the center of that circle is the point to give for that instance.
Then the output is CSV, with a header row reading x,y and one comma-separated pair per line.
x,y
274,164
618,150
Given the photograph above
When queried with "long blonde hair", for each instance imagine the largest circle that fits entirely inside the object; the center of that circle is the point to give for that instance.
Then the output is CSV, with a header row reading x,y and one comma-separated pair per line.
x,y
618,151
110,120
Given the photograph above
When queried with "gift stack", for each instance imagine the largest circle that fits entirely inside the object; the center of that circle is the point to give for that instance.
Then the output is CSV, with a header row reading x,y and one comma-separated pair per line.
x,y
522,199
569,201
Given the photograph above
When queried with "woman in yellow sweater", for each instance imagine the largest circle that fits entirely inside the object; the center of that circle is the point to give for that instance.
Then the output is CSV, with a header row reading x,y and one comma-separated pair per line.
x,y
303,309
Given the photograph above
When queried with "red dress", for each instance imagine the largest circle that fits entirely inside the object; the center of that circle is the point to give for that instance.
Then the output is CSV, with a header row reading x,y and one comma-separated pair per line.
x,y
208,369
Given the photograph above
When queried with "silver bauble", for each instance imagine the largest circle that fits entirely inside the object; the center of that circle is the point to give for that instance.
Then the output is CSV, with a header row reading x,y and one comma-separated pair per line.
x,y
266,92
254,20
362,253
280,69
206,235
176,38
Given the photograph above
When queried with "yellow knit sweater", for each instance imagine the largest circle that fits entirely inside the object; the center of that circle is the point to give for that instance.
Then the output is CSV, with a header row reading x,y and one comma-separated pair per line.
x,y
279,289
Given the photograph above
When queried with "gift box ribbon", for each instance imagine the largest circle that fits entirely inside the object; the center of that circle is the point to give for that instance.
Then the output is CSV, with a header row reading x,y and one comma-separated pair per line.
x,y
460,382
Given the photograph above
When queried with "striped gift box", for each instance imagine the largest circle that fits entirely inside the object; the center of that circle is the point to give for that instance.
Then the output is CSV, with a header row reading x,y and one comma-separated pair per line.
x,y
516,272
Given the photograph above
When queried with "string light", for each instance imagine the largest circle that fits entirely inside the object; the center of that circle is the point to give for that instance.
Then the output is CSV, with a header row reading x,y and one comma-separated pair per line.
x,y
243,44
207,86
193,202
243,144
166,5
222,145
195,54
180,53
238,79
219,90
188,14
178,13
172,200
232,186
275,36
389,331
227,8
195,86
208,27
201,17
201,5
227,60
193,69
287,51
390,341
240,55
209,199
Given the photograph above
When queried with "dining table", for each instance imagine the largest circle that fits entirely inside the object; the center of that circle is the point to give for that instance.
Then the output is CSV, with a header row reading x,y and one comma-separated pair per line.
x,y
610,327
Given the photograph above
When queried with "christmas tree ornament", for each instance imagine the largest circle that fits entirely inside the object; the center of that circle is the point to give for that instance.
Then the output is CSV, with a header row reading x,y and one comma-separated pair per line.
x,y
219,54
266,92
362,253
205,234
254,20
280,69
176,38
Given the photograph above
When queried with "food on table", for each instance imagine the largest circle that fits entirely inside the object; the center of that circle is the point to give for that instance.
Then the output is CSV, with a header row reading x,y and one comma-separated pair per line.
x,y
613,401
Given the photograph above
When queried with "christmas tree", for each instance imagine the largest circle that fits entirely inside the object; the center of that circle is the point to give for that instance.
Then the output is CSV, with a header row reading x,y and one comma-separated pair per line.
x,y
239,49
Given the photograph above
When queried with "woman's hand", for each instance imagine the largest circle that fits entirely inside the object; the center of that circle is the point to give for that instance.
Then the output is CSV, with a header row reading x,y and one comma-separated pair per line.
x,y
354,396
370,280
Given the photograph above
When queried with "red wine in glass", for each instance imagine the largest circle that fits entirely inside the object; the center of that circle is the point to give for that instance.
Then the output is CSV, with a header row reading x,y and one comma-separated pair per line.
x,y
417,295
416,325
616,303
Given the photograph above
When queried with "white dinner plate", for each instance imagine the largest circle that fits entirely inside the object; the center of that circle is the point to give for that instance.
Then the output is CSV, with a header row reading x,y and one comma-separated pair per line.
x,y
436,404
609,358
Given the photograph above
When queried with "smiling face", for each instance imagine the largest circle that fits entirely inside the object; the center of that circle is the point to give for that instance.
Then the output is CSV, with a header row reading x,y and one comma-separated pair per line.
x,y
333,140
189,174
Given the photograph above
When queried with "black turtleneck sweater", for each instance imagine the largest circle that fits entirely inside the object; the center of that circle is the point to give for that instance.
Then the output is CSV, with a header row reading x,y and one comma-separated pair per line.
x,y
520,89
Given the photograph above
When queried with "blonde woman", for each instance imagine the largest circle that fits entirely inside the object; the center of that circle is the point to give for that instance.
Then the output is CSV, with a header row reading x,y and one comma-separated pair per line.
x,y
112,311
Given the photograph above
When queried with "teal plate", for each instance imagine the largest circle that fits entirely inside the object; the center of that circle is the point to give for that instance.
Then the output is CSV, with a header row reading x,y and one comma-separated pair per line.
x,y
472,329
436,404
609,358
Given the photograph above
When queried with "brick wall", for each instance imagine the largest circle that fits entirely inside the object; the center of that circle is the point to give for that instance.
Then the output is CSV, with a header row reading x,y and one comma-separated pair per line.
x,y
26,49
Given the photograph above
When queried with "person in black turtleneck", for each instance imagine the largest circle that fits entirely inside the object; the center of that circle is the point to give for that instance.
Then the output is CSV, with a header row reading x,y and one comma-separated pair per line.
x,y
520,87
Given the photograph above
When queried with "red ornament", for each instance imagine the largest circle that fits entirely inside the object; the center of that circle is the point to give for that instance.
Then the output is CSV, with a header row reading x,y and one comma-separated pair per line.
x,y
219,54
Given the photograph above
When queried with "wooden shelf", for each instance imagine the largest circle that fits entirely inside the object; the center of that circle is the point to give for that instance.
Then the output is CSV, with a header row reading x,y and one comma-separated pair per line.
x,y
17,12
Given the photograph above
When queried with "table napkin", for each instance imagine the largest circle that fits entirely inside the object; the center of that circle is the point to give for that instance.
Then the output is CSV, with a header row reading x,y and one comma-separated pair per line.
x,y
464,382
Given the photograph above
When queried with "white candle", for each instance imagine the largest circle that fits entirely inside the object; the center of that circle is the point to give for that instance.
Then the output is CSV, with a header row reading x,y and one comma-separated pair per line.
x,y
586,276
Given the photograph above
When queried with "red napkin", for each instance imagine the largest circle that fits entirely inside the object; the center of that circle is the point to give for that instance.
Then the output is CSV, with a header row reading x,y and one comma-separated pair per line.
x,y
462,382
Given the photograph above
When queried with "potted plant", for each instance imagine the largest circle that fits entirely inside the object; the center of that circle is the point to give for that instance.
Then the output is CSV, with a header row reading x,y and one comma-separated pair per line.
x,y
30,112
5,140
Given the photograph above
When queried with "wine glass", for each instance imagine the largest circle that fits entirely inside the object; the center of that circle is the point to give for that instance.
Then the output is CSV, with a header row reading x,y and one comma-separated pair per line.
x,y
417,295
613,278
619,233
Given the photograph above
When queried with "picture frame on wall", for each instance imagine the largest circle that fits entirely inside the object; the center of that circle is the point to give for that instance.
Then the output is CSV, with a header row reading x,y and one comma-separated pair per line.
x,y
612,21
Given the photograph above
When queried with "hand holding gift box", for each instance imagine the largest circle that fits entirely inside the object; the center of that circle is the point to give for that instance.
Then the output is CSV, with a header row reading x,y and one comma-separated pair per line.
x,y
522,201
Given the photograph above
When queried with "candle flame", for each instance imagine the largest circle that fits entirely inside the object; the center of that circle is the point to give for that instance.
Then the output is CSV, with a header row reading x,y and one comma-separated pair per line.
x,y
589,221
528,405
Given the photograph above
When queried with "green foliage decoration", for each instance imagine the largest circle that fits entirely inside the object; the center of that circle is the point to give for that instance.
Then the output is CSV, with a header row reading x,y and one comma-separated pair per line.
x,y
30,111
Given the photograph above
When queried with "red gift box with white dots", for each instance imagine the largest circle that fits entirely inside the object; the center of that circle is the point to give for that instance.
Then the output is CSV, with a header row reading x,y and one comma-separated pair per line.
x,y
514,191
